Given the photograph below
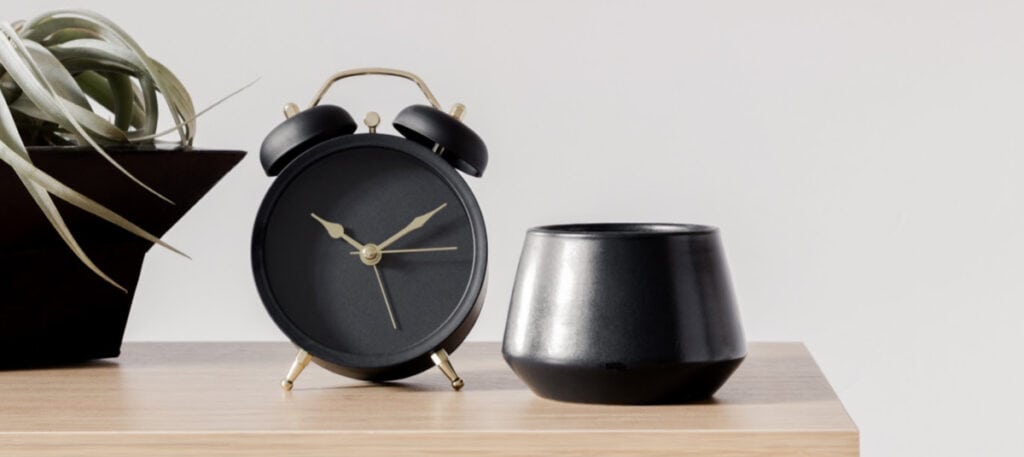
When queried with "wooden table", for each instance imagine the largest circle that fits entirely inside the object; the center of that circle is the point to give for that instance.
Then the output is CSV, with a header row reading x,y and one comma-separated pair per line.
x,y
217,399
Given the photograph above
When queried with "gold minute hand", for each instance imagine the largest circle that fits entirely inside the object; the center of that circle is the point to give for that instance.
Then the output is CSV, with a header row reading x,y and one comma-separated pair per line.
x,y
336,230
416,223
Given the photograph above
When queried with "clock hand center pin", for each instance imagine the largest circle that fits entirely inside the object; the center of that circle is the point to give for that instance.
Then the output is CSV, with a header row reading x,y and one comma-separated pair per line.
x,y
370,254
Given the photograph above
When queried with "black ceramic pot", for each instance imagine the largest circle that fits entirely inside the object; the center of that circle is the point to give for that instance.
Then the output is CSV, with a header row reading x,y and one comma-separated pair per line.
x,y
623,314
55,310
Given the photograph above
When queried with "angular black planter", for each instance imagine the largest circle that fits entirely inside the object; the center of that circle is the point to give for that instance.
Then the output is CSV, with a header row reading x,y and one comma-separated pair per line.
x,y
52,308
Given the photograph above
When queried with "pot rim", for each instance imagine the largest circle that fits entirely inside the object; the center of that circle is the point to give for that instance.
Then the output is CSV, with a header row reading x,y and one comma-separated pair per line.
x,y
623,230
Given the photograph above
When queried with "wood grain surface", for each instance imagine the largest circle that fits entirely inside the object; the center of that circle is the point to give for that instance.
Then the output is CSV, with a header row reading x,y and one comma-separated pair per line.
x,y
223,399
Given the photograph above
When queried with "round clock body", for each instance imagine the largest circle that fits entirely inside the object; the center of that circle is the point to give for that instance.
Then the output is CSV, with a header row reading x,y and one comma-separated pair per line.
x,y
374,322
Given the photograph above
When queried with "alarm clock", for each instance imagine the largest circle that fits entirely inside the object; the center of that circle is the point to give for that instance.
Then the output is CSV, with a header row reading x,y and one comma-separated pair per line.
x,y
369,250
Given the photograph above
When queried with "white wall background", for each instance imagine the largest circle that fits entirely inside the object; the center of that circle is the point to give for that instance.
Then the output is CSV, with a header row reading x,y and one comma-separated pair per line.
x,y
862,158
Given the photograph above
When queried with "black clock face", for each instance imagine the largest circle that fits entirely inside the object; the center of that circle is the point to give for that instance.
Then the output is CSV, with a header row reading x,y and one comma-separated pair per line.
x,y
414,275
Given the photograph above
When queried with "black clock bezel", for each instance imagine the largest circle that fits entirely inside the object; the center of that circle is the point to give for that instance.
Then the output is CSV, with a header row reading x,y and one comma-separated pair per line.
x,y
448,336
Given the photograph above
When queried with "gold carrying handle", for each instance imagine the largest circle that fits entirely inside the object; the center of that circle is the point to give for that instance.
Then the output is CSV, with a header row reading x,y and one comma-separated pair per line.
x,y
375,71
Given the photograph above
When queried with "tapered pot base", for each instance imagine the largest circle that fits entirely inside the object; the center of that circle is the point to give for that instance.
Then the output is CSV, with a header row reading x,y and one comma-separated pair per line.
x,y
616,383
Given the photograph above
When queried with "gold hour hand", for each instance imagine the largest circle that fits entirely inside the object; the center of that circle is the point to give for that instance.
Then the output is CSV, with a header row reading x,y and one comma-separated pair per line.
x,y
336,231
416,223
404,251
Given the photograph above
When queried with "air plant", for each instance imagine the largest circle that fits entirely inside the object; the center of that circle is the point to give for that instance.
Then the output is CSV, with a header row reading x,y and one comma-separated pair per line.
x,y
59,74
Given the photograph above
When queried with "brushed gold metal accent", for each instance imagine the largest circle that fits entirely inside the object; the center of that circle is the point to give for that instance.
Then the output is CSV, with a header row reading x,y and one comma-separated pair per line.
x,y
440,358
372,120
404,251
336,231
290,109
301,361
458,111
370,254
416,223
380,282
375,71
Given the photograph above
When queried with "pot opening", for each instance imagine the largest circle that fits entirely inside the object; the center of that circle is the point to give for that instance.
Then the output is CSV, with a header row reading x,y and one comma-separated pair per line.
x,y
625,229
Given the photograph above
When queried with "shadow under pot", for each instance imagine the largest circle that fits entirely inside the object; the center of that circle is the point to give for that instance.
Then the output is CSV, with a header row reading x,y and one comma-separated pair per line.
x,y
623,314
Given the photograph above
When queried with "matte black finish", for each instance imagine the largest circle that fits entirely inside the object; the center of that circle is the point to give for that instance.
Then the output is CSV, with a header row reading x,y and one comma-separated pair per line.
x,y
623,313
427,126
326,300
301,132
54,309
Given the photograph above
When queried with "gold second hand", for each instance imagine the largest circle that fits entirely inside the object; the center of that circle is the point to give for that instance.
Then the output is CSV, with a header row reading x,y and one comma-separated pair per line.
x,y
387,302
403,251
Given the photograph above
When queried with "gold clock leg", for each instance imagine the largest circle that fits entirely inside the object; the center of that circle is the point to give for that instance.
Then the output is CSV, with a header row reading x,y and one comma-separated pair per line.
x,y
440,358
301,360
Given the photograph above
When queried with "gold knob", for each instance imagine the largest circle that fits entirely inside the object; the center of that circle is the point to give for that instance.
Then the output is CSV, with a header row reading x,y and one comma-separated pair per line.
x,y
290,109
372,120
458,111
